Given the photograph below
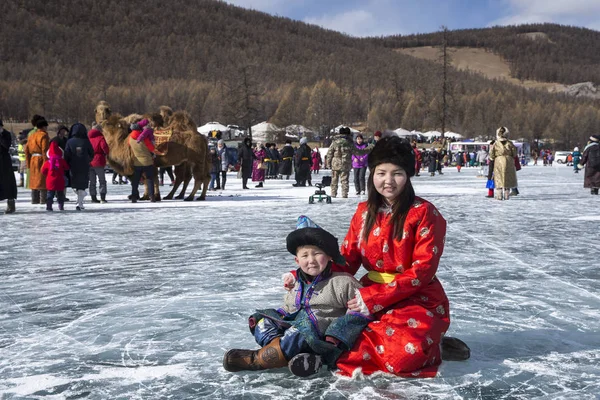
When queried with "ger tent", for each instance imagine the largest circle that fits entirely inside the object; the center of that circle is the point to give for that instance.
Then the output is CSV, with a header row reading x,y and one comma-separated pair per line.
x,y
264,131
212,126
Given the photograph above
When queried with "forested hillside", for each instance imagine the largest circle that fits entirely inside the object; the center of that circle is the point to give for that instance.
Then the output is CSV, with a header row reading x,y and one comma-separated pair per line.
x,y
236,66
542,52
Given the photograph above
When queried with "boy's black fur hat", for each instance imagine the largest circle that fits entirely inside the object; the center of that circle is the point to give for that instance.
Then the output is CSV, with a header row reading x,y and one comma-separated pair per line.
x,y
394,150
316,237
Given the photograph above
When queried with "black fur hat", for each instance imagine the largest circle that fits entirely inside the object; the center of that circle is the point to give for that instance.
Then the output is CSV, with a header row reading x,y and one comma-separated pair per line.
x,y
316,237
394,150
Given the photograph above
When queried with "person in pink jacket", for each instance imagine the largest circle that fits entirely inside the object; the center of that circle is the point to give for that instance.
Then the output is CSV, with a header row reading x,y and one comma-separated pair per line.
x,y
98,163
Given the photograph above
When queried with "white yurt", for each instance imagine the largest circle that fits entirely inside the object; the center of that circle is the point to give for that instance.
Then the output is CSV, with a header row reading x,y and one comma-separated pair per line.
x,y
453,135
295,132
336,130
212,126
264,132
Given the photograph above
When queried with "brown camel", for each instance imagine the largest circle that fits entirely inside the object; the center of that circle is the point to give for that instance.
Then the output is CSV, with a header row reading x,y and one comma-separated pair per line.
x,y
185,146
102,111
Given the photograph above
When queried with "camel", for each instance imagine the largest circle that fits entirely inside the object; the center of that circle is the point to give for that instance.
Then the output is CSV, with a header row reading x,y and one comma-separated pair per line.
x,y
102,111
185,146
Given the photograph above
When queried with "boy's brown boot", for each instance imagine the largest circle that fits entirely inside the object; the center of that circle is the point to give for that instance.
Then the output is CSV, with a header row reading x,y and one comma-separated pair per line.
x,y
268,357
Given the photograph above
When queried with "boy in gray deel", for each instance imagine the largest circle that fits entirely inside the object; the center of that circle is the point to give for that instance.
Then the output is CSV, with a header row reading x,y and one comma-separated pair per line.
x,y
313,326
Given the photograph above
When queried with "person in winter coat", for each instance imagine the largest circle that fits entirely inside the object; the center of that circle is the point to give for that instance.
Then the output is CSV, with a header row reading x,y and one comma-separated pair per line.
x,y
78,154
8,183
433,159
54,169
215,168
399,239
302,162
97,164
246,157
359,164
591,160
418,158
142,146
460,160
314,325
482,160
275,160
225,163
317,161
503,153
576,159
339,159
258,166
287,159
38,143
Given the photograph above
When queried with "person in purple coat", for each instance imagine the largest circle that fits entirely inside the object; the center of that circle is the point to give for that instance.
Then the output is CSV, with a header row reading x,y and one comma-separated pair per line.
x,y
258,174
359,164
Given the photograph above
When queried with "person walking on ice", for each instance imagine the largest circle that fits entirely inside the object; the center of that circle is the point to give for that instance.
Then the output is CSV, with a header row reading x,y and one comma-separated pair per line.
x,y
314,325
503,153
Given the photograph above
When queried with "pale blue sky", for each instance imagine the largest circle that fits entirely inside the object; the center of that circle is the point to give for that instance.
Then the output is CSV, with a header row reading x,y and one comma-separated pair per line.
x,y
388,17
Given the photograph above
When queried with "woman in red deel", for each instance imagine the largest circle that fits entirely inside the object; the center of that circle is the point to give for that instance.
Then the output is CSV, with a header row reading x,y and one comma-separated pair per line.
x,y
398,238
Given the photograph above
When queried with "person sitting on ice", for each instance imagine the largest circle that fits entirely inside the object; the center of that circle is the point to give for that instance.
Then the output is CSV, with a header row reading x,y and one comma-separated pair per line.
x,y
314,325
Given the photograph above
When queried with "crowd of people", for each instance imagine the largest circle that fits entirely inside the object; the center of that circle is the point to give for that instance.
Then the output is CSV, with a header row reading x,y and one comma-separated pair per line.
x,y
85,154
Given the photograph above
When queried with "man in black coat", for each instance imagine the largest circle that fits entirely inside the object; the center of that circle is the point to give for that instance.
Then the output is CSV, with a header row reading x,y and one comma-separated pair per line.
x,y
8,183
246,157
287,157
302,163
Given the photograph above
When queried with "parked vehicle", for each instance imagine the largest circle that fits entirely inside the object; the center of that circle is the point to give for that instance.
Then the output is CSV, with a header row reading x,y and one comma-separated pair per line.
x,y
14,155
561,156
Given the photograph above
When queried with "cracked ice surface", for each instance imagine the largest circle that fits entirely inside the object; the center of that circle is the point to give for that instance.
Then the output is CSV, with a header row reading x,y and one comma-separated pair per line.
x,y
141,300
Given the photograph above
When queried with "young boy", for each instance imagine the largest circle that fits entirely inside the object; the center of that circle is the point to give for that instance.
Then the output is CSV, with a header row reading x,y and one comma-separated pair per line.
x,y
313,326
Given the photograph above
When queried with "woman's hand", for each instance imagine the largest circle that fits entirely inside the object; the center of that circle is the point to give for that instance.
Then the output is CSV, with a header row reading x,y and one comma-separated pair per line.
x,y
353,305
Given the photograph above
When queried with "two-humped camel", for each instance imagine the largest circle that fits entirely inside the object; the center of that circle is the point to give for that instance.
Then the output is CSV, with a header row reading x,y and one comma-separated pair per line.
x,y
186,148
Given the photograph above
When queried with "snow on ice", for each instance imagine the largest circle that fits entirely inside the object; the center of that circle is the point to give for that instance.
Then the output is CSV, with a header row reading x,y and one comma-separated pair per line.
x,y
142,300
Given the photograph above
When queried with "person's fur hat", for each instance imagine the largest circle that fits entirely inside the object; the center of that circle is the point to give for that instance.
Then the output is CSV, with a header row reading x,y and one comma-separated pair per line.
x,y
394,150
308,233
344,130
303,140
41,123
595,138
35,119
502,132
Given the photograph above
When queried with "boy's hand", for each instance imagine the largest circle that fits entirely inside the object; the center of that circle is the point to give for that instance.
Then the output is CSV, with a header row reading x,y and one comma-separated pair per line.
x,y
288,281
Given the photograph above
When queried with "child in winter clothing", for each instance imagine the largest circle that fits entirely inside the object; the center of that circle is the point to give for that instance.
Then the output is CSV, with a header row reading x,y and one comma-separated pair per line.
x,y
576,159
54,171
314,325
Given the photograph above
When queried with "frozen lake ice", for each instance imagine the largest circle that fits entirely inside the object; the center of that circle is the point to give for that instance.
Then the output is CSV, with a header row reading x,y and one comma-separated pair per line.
x,y
140,301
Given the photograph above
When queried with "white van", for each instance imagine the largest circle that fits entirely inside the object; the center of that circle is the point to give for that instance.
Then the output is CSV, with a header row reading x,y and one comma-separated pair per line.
x,y
561,156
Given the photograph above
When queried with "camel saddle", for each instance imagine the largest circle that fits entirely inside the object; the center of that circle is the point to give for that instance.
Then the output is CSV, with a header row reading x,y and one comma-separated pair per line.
x,y
162,136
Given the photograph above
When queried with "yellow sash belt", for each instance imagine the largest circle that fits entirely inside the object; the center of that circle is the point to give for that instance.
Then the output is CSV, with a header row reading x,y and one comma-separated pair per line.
x,y
381,277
